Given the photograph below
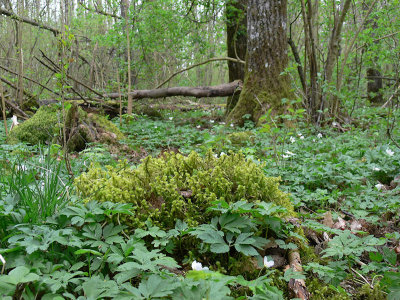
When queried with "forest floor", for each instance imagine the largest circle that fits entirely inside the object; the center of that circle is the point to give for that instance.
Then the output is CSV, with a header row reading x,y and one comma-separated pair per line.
x,y
343,181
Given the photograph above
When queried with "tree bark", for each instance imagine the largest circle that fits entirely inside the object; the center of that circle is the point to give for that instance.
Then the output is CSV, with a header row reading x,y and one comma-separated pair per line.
x,y
222,90
267,57
236,33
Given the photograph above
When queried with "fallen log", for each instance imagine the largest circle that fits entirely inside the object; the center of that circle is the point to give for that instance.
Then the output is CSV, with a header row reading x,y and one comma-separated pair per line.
x,y
222,90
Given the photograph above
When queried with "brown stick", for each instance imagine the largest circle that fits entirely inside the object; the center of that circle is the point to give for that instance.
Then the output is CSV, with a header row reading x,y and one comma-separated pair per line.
x,y
70,77
297,286
15,88
29,79
3,105
221,90
18,110
12,15
101,12
199,64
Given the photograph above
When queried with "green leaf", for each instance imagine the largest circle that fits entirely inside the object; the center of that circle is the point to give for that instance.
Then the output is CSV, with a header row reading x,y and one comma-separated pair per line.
x,y
85,251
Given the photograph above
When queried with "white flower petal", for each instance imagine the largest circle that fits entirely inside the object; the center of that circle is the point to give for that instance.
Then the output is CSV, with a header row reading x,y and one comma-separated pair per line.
x,y
379,186
319,135
268,264
389,152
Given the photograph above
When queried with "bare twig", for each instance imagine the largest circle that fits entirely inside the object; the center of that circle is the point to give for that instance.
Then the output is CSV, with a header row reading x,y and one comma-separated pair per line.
x,y
199,64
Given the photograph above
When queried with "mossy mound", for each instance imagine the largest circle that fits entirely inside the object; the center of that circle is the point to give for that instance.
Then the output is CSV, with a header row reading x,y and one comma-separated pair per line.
x,y
81,128
242,138
40,128
176,187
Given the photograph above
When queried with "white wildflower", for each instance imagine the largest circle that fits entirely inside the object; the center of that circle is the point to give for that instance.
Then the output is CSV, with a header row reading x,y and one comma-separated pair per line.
x,y
14,122
285,156
222,123
292,139
290,153
319,135
334,124
212,121
222,153
198,126
232,125
22,168
389,152
155,127
198,266
268,264
379,186
376,169
171,118
302,137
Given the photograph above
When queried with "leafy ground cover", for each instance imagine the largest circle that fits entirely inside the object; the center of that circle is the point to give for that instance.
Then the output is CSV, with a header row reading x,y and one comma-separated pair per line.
x,y
343,182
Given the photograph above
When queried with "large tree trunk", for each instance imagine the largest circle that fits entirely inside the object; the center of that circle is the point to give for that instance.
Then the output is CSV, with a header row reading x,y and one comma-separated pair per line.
x,y
267,58
236,33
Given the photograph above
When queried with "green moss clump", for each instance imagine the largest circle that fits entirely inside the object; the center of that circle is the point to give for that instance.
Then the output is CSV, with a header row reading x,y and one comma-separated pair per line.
x,y
106,125
41,128
319,290
177,187
46,125
241,138
366,293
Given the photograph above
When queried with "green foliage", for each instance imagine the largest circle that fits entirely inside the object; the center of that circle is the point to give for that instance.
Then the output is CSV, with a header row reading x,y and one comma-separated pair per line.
x,y
36,188
176,187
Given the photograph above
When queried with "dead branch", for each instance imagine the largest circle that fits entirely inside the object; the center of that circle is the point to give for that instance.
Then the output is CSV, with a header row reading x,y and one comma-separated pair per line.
x,y
221,90
29,79
199,64
16,109
12,15
9,83
56,69
297,286
101,12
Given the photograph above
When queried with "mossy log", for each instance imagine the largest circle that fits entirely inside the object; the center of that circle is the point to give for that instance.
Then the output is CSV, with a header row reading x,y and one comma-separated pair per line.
x,y
81,128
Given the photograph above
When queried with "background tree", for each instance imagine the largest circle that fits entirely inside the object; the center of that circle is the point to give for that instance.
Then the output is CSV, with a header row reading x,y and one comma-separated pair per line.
x,y
236,41
264,86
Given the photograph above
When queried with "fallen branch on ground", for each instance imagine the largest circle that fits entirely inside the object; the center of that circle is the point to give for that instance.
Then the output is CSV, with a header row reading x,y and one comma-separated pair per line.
x,y
222,90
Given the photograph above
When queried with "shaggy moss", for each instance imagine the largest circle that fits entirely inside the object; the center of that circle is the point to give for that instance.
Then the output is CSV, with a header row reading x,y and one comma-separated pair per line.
x,y
39,129
176,187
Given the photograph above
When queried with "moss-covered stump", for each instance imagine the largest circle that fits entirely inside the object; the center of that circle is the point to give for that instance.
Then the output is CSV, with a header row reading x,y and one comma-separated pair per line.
x,y
80,127
176,187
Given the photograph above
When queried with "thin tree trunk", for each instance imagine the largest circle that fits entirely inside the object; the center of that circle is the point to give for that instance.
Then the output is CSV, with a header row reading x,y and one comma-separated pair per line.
x,y
236,33
3,106
20,85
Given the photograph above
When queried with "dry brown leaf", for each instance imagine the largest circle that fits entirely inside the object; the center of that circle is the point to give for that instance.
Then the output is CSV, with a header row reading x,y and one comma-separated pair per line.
x,y
340,224
328,221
